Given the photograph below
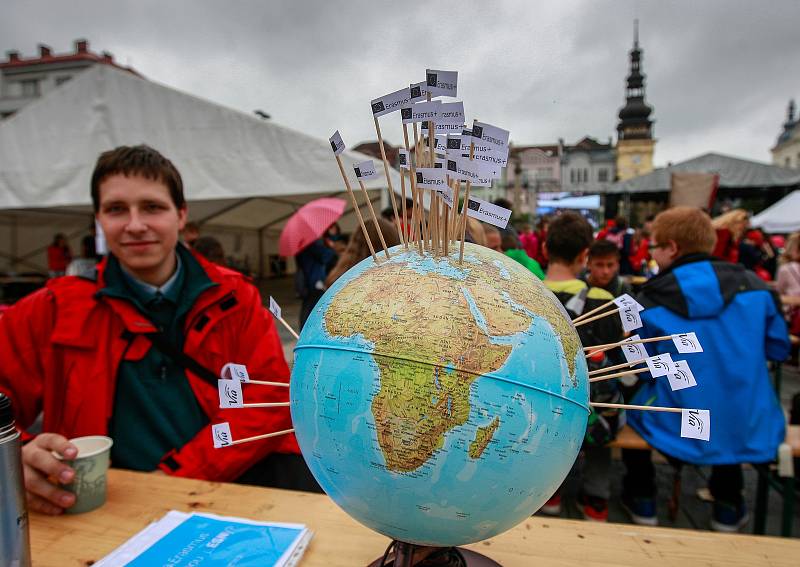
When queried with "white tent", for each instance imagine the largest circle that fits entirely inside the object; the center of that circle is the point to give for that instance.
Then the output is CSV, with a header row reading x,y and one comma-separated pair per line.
x,y
243,176
782,217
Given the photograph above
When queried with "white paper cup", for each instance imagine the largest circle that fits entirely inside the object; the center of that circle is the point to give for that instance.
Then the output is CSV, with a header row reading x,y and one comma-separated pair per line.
x,y
91,468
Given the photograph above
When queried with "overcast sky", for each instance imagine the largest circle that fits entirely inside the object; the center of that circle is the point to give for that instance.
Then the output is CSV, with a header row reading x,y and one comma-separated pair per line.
x,y
719,73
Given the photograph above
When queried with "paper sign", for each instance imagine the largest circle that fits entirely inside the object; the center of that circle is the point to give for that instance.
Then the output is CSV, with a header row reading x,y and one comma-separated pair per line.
x,y
419,91
686,343
488,212
442,83
491,135
440,163
450,118
681,377
420,111
337,145
221,433
660,365
696,424
634,352
391,102
447,195
230,393
274,308
403,159
365,170
466,170
232,371
453,147
431,178
491,157
626,300
440,145
631,320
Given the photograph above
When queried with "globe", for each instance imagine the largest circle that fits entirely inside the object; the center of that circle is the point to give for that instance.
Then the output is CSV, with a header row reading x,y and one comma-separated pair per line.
x,y
439,403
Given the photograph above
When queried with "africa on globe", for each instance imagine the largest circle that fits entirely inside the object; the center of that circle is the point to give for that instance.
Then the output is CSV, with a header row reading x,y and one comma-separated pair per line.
x,y
437,402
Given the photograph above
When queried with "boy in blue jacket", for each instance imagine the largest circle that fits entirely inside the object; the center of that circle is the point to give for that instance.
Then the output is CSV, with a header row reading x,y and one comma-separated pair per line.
x,y
739,325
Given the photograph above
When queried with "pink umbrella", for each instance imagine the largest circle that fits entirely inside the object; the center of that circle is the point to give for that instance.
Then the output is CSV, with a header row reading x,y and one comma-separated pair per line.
x,y
308,224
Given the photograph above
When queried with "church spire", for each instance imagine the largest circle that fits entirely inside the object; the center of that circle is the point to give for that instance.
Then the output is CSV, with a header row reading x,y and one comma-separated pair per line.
x,y
634,117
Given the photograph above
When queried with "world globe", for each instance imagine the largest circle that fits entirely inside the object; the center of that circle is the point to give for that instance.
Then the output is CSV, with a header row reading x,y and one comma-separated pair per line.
x,y
439,403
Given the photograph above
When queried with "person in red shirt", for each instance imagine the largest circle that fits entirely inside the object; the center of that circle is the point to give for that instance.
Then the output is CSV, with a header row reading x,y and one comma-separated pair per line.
x,y
134,352
58,256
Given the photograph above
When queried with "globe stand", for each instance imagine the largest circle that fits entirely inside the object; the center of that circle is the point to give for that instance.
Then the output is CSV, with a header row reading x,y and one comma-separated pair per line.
x,y
402,554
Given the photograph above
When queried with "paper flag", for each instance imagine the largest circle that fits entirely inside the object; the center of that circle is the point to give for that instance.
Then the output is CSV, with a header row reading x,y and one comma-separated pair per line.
x,y
633,352
491,135
420,111
403,158
696,424
687,343
660,365
221,433
431,178
274,308
682,377
631,320
230,393
626,300
419,91
365,170
488,212
391,102
232,371
337,145
442,83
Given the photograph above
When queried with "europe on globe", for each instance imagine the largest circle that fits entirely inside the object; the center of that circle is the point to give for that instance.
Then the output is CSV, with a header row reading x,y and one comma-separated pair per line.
x,y
439,403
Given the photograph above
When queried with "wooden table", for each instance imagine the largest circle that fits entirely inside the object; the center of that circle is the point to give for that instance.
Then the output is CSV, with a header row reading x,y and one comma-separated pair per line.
x,y
135,499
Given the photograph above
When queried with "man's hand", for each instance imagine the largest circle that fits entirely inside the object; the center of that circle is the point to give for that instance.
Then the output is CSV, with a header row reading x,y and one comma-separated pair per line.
x,y
39,466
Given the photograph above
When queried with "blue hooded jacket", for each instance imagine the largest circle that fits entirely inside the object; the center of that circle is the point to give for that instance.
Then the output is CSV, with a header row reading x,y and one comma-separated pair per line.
x,y
739,324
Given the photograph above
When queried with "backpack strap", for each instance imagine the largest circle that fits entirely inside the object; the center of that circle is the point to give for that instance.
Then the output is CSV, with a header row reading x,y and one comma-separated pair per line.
x,y
181,358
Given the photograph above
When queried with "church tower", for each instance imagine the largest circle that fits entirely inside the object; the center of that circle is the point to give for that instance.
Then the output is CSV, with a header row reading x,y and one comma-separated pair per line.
x,y
635,143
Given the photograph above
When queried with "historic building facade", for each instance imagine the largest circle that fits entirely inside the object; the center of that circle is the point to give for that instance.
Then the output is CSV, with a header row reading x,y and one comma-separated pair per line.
x,y
635,142
786,152
588,167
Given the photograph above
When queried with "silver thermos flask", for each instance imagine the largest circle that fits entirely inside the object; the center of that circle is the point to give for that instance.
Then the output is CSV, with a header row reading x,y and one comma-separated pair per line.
x,y
15,549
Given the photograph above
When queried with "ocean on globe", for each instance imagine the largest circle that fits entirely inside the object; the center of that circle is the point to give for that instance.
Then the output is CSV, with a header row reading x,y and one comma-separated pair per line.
x,y
439,403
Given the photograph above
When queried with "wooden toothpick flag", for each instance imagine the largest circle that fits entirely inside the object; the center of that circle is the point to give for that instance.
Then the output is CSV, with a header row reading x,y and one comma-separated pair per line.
x,y
230,393
337,145
633,350
687,343
221,434
485,211
631,320
442,83
275,309
232,371
696,424
365,170
681,377
391,102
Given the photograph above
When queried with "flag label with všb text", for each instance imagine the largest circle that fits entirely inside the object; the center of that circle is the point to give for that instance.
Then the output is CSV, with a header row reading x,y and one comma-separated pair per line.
x,y
488,212
442,83
633,352
687,343
492,135
626,300
221,433
274,308
391,102
365,170
230,393
660,365
403,159
337,145
431,178
681,377
420,112
233,371
696,424
631,320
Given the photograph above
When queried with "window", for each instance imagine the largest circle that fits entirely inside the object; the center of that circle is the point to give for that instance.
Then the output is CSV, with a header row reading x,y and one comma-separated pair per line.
x,y
585,175
62,80
572,176
602,175
30,87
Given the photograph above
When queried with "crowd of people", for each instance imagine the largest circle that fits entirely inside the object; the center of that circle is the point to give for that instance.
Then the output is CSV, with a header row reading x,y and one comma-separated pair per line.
x,y
162,312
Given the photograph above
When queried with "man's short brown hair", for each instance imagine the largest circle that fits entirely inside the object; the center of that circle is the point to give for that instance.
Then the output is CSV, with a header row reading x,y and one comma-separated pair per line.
x,y
689,227
569,234
603,249
139,160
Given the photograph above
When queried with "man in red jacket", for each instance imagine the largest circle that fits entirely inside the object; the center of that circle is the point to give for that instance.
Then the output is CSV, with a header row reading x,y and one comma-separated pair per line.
x,y
134,352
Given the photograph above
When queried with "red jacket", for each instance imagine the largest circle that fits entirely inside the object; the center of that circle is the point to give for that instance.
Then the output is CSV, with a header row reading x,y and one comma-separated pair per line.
x,y
61,346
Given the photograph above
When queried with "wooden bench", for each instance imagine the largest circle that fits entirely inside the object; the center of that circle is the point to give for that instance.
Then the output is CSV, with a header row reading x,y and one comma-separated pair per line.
x,y
778,475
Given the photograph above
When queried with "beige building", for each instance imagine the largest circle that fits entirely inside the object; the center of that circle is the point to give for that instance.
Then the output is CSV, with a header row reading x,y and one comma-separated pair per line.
x,y
786,152
635,142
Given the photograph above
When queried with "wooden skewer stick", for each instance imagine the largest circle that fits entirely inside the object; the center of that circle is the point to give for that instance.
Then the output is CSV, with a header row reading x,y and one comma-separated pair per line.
x,y
621,343
420,192
389,181
356,208
464,209
632,407
592,312
415,210
264,436
288,327
453,223
616,367
267,405
618,374
406,228
374,218
596,317
265,383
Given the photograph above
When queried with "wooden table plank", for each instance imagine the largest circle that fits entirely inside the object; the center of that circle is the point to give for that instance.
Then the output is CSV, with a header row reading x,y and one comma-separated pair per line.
x,y
135,499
